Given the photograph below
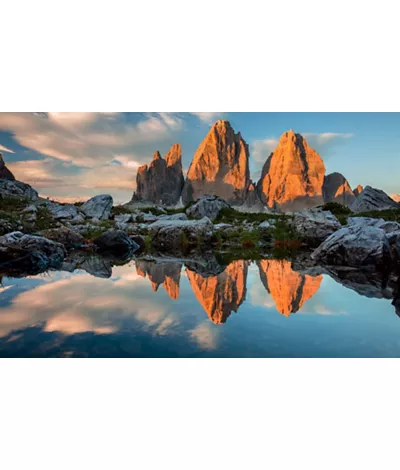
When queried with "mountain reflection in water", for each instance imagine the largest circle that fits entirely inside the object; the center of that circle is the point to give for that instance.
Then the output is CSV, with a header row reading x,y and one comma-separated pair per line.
x,y
113,311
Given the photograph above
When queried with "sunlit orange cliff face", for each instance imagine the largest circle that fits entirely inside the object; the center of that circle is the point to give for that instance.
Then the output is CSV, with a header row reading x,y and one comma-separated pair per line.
x,y
222,294
289,289
166,274
293,175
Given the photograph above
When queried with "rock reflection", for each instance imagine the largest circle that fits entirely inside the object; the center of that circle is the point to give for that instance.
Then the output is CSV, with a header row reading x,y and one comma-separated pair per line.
x,y
289,289
166,274
221,294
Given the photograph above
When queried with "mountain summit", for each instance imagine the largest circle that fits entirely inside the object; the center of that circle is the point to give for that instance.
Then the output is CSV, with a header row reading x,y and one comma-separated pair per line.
x,y
5,173
220,166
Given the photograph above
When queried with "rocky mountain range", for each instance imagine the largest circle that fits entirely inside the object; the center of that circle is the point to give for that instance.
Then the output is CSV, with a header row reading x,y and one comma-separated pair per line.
x,y
293,176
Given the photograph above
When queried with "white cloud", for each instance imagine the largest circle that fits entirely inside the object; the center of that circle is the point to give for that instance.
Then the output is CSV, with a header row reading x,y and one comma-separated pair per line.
x,y
5,149
86,139
208,118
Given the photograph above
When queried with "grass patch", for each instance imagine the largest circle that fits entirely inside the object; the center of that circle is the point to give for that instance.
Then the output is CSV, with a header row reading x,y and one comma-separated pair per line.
x,y
392,215
118,210
340,211
13,204
44,219
232,216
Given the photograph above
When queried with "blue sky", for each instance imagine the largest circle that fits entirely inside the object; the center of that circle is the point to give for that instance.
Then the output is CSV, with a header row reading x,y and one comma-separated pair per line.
x,y
77,155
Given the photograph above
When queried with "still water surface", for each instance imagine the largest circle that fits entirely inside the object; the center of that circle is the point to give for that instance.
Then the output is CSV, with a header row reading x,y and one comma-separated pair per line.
x,y
252,309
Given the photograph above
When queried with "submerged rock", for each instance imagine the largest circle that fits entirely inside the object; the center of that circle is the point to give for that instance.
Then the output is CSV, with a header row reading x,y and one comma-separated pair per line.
x,y
207,206
98,206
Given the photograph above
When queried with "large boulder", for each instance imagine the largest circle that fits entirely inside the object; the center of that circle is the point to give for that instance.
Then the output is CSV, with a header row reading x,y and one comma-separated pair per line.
x,y
62,211
98,206
162,180
220,166
5,173
207,206
372,199
10,188
32,250
116,242
387,226
67,237
315,225
293,175
356,246
181,235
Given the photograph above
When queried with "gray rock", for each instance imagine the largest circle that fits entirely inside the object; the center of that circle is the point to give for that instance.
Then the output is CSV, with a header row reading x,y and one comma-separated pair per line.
x,y
62,211
98,206
178,235
372,199
223,226
389,226
30,209
393,236
69,238
115,241
265,226
179,216
364,221
24,244
356,246
9,188
207,206
149,217
78,219
123,218
6,226
315,225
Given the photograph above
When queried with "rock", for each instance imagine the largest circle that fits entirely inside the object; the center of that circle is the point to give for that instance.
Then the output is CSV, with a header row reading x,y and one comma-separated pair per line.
x,y
223,227
5,173
161,181
336,188
252,202
315,225
356,246
92,263
372,199
62,211
77,220
364,221
219,167
9,188
30,209
140,241
293,175
115,241
52,253
222,294
180,235
179,216
358,190
207,206
393,237
98,206
395,197
67,237
123,218
6,226
265,226
20,263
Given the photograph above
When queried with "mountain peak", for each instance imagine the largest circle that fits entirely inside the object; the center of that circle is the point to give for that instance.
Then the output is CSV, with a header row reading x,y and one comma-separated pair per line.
x,y
5,173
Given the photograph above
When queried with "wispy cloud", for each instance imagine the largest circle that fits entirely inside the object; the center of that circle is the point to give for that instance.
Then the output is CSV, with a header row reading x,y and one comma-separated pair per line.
x,y
5,149
209,118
